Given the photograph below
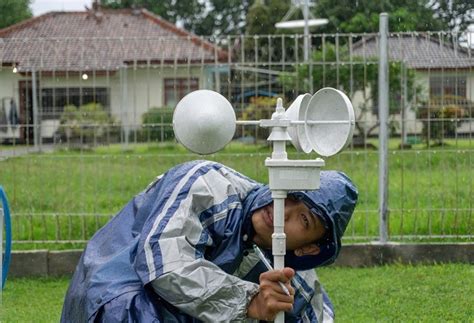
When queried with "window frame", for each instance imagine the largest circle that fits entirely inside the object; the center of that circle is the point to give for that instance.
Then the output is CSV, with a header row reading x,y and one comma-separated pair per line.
x,y
59,97
448,85
180,86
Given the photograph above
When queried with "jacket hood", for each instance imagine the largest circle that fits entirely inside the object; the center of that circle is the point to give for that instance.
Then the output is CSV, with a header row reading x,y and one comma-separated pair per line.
x,y
334,202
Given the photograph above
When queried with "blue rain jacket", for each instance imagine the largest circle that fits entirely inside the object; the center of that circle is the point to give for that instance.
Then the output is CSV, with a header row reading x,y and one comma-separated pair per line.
x,y
181,251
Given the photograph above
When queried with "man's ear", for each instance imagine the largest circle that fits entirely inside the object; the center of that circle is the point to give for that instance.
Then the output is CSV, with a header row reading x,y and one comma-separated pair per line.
x,y
309,249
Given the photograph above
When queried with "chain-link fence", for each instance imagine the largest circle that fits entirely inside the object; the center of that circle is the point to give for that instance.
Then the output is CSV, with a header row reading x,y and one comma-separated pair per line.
x,y
86,123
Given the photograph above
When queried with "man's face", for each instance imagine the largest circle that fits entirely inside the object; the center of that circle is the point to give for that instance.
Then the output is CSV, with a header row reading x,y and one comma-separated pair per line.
x,y
301,227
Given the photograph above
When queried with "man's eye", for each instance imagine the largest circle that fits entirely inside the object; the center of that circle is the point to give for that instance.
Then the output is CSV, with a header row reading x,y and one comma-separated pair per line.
x,y
305,219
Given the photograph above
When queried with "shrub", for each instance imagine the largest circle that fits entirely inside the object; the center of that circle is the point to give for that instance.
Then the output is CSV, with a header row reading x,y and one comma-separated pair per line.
x,y
157,124
89,124
442,115
258,109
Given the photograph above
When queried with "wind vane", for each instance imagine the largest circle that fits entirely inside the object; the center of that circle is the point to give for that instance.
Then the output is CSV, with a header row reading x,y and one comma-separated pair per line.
x,y
308,21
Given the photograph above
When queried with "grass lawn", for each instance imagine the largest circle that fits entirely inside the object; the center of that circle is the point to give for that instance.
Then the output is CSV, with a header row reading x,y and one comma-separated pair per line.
x,y
68,195
438,293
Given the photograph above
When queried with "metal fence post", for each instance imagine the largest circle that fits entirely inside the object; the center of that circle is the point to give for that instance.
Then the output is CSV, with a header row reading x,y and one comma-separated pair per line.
x,y
383,133
36,126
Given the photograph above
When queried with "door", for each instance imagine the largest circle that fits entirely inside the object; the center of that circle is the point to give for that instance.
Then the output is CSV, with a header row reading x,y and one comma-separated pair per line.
x,y
26,111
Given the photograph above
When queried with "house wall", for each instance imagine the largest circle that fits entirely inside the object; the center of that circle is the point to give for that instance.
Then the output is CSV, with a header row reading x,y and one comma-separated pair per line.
x,y
8,90
465,127
143,89
132,91
413,126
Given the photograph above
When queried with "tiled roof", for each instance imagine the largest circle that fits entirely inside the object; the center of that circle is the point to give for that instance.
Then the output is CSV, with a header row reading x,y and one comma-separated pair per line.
x,y
101,40
419,51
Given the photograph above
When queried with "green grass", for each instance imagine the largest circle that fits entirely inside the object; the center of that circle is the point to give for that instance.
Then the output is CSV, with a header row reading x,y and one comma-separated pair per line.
x,y
68,195
395,293
33,300
441,293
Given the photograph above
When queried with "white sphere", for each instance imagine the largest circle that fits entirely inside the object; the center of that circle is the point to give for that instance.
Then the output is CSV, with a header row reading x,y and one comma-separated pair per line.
x,y
204,121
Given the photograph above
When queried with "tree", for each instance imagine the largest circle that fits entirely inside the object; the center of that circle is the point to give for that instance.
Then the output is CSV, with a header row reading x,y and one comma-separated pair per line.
x,y
457,14
230,17
262,17
360,16
14,11
223,17
358,77
207,18
404,15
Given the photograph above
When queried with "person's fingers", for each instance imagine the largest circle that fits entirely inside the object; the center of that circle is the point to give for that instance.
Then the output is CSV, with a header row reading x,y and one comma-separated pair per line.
x,y
273,306
288,272
270,300
290,288
283,306
283,275
277,307
272,291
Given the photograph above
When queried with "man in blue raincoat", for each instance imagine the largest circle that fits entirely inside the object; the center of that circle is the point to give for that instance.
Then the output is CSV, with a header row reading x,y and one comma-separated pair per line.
x,y
181,251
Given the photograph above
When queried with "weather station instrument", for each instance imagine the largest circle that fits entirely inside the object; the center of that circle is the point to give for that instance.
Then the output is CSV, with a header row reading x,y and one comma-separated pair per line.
x,y
306,23
308,18
204,122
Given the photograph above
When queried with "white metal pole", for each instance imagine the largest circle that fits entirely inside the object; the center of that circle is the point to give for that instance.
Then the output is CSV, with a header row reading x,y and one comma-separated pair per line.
x,y
383,133
306,30
404,103
279,237
278,137
36,127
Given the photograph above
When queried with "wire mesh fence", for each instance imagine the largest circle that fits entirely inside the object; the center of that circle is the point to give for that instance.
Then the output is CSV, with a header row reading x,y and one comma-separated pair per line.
x,y
86,123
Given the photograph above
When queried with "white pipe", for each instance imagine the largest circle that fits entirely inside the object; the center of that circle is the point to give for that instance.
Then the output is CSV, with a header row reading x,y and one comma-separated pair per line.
x,y
247,122
279,236
296,122
306,30
302,122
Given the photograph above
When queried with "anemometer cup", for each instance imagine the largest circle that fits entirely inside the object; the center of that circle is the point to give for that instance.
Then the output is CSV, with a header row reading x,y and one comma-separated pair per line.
x,y
204,122
335,124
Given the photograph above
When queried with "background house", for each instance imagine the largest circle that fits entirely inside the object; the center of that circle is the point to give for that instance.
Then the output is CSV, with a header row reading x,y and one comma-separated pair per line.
x,y
127,60
443,71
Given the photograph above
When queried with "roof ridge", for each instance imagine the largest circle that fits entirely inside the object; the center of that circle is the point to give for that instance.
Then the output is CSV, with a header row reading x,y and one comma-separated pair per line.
x,y
198,40
24,23
425,35
30,21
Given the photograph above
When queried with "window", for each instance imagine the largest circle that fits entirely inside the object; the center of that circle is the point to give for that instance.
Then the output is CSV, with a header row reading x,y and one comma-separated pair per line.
x,y
448,86
53,100
176,89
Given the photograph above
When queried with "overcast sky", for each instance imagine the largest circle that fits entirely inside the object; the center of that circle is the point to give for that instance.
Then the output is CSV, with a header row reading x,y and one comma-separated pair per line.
x,y
42,6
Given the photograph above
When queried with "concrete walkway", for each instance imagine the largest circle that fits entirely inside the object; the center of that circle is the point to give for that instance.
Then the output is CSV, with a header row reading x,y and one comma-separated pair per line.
x,y
25,150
